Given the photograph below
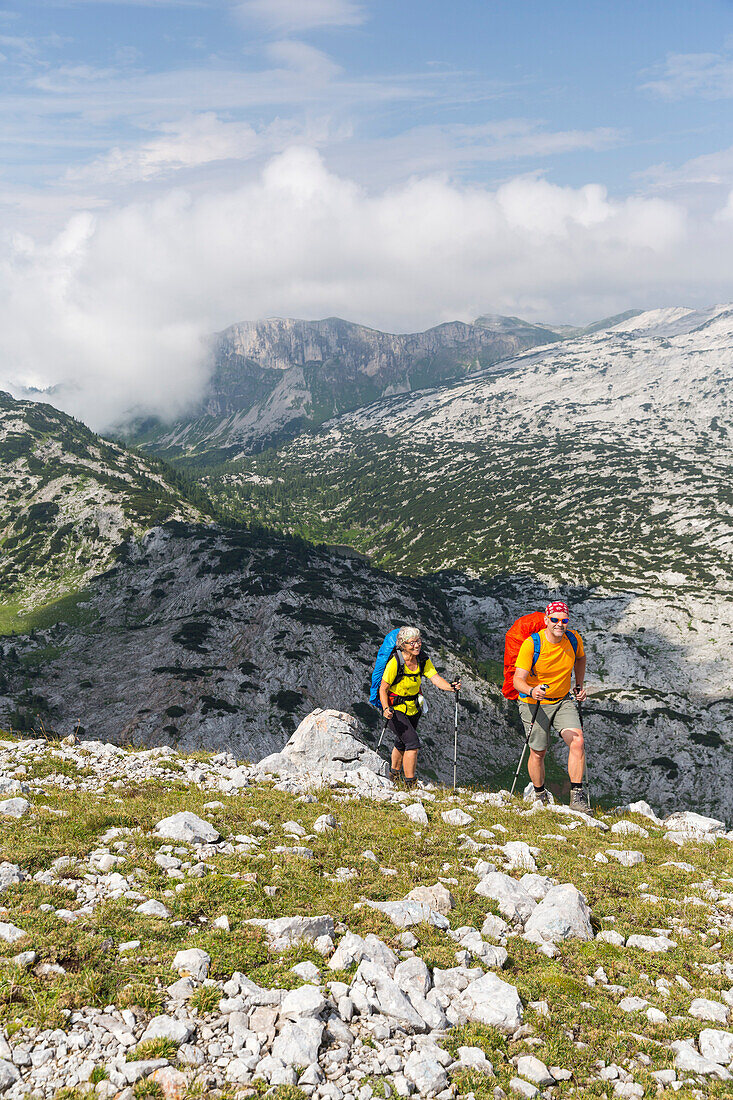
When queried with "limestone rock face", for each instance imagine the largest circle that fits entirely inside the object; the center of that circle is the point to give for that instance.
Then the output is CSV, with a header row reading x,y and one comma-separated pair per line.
x,y
323,743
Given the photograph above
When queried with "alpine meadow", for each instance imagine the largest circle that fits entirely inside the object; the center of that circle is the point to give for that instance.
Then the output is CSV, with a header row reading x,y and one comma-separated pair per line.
x,y
366,546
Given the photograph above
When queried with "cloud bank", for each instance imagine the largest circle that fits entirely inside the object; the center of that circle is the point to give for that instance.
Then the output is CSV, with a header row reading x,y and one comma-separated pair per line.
x,y
115,310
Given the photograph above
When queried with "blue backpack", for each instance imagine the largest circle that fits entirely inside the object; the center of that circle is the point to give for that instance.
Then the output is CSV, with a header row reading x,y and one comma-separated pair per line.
x,y
387,650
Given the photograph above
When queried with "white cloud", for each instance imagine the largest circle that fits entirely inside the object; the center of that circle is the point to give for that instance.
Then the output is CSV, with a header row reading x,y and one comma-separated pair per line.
x,y
188,143
115,309
299,15
709,75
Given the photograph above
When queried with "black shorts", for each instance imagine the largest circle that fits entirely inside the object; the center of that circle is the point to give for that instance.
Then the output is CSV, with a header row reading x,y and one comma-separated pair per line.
x,y
404,730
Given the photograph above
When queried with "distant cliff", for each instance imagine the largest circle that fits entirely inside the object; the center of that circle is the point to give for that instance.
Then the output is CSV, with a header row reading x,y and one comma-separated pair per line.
x,y
277,377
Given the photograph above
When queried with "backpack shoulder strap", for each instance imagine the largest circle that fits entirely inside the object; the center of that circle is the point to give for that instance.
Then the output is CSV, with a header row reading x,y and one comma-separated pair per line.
x,y
537,643
397,654
572,637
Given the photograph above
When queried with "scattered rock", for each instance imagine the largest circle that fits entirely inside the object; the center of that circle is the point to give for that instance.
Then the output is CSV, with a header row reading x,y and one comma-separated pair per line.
x,y
14,807
188,828
489,1000
404,914
456,817
323,743
561,915
193,963
284,932
437,897
416,812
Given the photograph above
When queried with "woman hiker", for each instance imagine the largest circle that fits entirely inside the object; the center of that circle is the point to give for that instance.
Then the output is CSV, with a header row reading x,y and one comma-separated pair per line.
x,y
399,694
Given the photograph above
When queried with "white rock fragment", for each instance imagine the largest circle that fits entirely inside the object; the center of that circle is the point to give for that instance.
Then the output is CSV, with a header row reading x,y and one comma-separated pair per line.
x,y
513,900
416,812
304,1001
607,935
8,1075
704,1009
168,1027
153,908
188,828
523,1088
11,933
562,914
193,963
15,807
519,856
658,944
426,1074
405,914
534,1070
475,1059
687,1058
625,858
325,823
456,817
716,1045
489,1000
284,932
437,897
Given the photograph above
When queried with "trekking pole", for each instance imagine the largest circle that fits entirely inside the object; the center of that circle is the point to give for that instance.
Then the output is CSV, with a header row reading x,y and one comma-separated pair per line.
x,y
381,736
526,743
455,740
585,771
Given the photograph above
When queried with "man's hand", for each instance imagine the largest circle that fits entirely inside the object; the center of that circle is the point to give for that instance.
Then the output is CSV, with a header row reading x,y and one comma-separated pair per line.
x,y
580,693
540,689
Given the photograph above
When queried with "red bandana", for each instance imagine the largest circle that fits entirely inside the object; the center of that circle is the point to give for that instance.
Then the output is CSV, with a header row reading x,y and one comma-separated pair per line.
x,y
557,607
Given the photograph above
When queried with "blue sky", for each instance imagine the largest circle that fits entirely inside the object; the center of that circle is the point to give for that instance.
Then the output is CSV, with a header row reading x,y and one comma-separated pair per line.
x,y
173,166
103,96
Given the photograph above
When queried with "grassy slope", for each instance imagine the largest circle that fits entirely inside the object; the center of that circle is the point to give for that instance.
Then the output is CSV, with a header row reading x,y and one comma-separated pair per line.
x,y
584,1023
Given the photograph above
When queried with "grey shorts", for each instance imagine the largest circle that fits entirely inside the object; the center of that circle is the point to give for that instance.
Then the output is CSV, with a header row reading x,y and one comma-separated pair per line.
x,y
559,716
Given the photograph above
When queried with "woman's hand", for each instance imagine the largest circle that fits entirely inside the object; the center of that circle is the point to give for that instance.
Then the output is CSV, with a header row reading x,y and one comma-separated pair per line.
x,y
388,713
456,684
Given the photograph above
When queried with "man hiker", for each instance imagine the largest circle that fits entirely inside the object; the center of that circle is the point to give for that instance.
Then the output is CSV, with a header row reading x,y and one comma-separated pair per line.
x,y
548,684
399,694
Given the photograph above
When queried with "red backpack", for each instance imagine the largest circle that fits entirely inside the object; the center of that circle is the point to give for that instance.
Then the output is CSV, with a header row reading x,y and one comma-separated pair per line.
x,y
518,632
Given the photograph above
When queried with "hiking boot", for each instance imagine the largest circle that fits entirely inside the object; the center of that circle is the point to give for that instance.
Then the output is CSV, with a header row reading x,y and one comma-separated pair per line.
x,y
410,782
395,775
543,797
579,801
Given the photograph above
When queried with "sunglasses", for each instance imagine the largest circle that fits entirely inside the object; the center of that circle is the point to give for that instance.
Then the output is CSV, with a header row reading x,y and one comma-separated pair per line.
x,y
563,621
417,641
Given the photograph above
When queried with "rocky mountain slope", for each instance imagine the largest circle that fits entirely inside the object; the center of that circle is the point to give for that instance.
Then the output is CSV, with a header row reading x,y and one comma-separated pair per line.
x,y
68,499
276,377
191,926
599,468
205,638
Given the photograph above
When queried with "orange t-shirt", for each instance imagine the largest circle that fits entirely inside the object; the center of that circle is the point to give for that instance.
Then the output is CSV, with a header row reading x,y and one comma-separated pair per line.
x,y
554,665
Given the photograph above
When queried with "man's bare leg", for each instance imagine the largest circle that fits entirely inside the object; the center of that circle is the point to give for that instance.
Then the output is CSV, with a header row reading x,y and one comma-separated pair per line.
x,y
573,738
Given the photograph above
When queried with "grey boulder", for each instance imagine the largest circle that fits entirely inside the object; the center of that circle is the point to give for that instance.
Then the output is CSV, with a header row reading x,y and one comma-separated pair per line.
x,y
187,827
324,742
561,915
491,1001
284,932
513,900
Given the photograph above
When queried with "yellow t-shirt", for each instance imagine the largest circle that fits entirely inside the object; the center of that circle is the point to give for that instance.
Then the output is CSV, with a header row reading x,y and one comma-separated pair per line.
x,y
408,683
554,665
